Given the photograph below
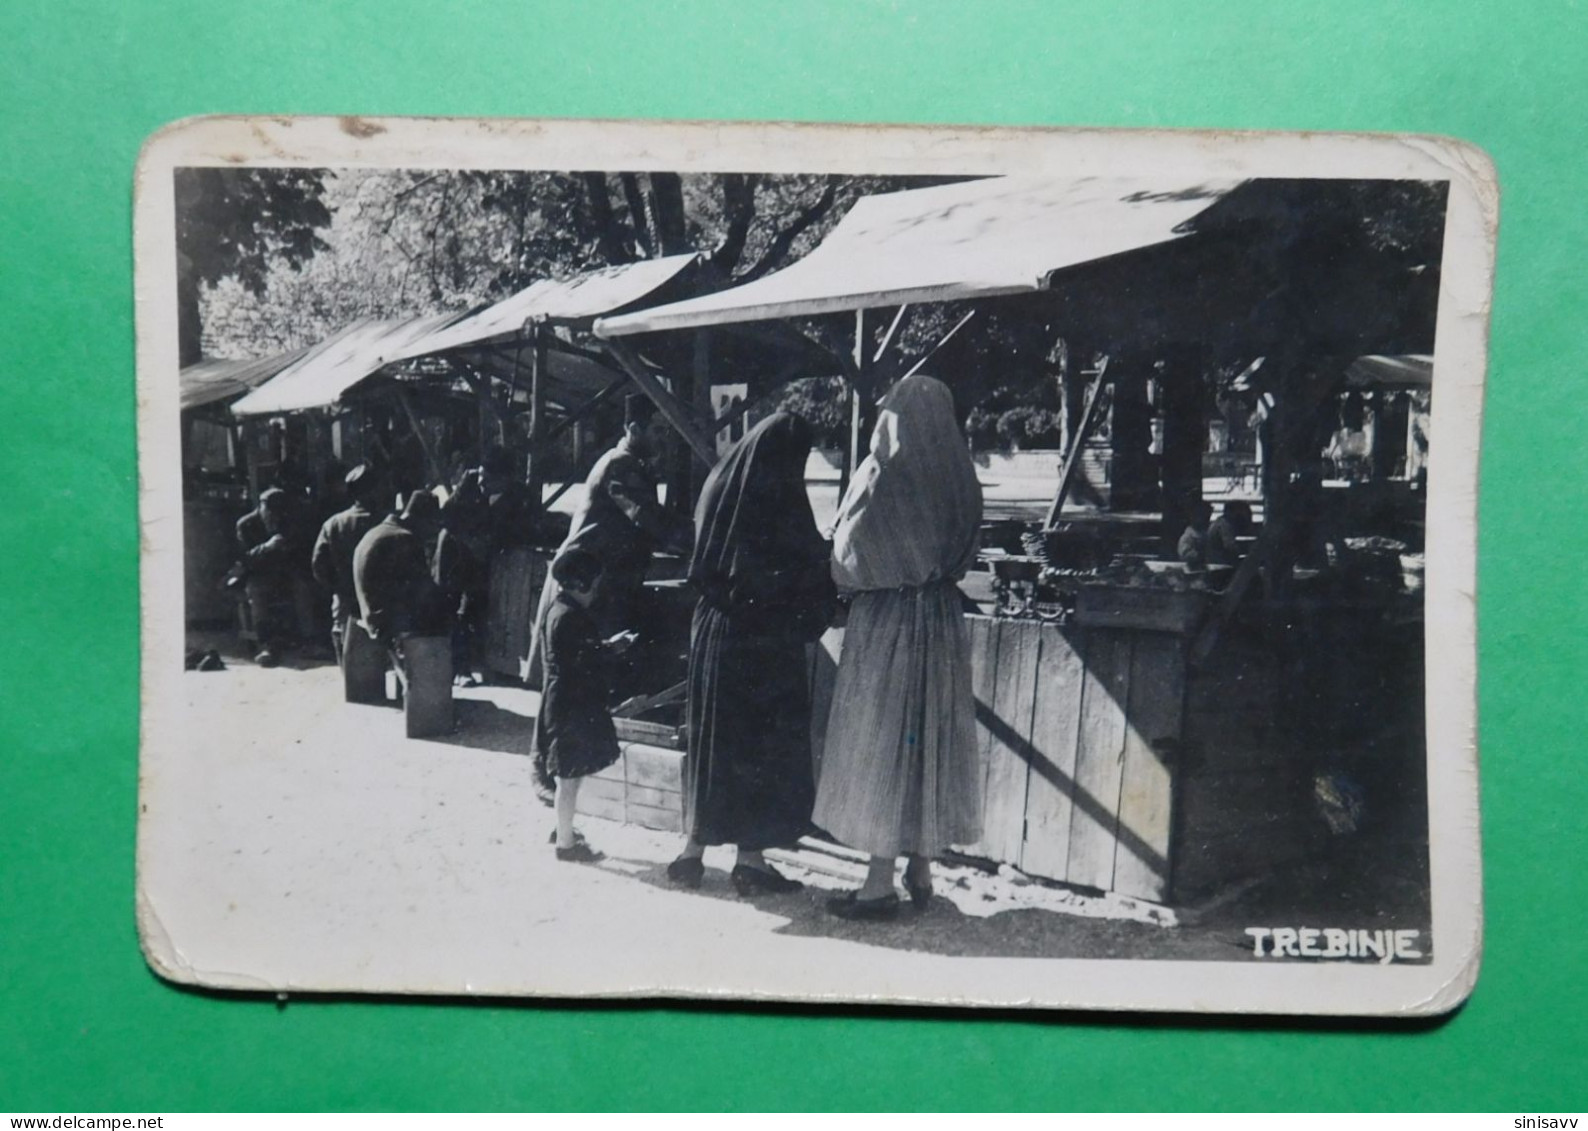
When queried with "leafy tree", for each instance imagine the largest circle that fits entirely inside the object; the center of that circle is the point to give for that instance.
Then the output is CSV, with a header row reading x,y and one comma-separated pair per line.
x,y
824,404
403,242
240,224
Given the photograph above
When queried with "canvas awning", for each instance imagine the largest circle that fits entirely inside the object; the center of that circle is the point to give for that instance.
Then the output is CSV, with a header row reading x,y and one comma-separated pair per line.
x,y
1410,370
222,379
996,236
567,301
329,370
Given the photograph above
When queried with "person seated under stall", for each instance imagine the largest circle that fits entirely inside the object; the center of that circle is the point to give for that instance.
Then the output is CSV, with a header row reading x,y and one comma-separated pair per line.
x,y
1223,537
272,575
1193,544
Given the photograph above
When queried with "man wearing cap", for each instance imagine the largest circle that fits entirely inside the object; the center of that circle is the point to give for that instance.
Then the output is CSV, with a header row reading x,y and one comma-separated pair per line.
x,y
271,572
490,511
332,559
621,523
391,574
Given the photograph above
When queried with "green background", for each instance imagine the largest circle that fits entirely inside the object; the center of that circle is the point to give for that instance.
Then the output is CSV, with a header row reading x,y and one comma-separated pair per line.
x,y
87,1027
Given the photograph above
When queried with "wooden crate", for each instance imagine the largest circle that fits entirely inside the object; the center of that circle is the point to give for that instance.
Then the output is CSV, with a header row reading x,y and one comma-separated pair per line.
x,y
364,664
644,787
426,674
668,735
1150,610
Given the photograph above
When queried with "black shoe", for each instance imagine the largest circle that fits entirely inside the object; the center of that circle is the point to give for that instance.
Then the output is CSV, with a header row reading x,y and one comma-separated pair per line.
x,y
864,910
686,871
920,893
578,837
748,881
580,853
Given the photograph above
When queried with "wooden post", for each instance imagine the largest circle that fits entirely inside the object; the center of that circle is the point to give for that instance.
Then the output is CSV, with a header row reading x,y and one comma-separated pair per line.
x,y
667,404
1132,479
1184,438
858,414
537,409
251,457
403,399
1072,458
700,382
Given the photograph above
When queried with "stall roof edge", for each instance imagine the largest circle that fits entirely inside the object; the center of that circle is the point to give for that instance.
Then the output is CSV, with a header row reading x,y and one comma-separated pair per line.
x,y
328,370
995,236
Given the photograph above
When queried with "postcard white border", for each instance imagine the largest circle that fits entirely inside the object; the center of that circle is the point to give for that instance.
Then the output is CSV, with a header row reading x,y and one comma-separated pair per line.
x,y
1137,984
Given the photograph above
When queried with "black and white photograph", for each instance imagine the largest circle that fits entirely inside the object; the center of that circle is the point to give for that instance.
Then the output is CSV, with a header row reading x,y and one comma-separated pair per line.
x,y
1025,568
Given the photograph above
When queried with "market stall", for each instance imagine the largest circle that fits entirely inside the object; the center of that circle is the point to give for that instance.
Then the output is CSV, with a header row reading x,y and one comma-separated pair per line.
x,y
1140,723
215,480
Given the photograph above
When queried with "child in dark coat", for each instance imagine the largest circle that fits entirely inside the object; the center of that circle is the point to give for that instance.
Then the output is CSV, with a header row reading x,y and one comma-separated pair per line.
x,y
574,735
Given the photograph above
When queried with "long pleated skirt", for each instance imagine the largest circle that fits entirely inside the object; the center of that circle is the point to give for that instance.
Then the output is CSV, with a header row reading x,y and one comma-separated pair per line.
x,y
899,771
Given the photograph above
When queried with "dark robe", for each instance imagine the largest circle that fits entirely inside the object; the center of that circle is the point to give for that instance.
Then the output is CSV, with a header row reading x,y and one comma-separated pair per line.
x,y
574,734
761,569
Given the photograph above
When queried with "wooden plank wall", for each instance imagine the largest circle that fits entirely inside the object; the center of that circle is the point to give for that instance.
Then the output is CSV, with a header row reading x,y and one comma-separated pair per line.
x,y
1077,731
517,577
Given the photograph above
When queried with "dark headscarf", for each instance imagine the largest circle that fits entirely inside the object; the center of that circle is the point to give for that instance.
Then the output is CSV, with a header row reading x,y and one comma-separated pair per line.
x,y
758,554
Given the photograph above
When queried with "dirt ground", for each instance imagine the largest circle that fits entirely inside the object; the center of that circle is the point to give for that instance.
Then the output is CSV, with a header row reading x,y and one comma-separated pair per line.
x,y
304,822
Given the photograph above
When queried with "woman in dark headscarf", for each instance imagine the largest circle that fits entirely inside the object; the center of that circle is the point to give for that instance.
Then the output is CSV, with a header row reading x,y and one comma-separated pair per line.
x,y
899,773
761,570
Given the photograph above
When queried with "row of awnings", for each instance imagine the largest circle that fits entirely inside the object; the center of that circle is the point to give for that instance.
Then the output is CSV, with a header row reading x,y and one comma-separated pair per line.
x,y
327,371
996,236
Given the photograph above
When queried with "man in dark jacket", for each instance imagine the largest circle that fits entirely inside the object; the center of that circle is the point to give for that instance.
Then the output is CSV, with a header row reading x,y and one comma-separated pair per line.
x,y
332,560
273,573
391,574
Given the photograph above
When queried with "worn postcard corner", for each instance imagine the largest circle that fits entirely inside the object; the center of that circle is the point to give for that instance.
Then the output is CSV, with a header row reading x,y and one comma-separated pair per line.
x,y
1004,567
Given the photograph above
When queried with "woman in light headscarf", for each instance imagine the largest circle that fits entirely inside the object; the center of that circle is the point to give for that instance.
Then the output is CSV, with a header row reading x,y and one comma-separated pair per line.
x,y
761,570
899,774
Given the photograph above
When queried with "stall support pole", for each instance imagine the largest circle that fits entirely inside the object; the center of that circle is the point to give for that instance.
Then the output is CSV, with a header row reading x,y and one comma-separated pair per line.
x,y
431,459
700,390
855,451
1184,437
1072,458
537,409
667,404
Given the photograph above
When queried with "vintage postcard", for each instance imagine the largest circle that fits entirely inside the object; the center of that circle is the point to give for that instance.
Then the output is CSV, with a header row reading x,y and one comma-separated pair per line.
x,y
984,567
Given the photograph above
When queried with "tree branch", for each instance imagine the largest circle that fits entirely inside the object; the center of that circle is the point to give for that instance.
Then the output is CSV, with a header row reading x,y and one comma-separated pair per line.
x,y
738,205
637,215
609,238
785,239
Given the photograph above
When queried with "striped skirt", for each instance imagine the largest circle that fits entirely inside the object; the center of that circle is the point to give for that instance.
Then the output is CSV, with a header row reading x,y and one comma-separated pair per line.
x,y
899,771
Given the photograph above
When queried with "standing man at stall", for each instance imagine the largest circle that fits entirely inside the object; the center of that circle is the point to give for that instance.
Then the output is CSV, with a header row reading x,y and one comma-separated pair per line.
x,y
332,560
397,594
490,511
621,522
